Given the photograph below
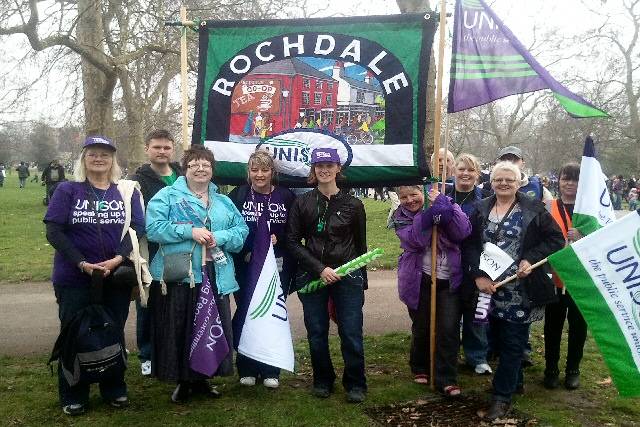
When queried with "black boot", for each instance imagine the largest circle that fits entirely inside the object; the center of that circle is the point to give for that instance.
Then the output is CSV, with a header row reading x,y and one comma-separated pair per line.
x,y
497,410
572,379
551,379
204,388
181,393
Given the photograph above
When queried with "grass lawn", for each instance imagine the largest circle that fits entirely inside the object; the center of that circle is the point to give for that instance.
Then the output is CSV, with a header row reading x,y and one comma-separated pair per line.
x,y
26,256
28,395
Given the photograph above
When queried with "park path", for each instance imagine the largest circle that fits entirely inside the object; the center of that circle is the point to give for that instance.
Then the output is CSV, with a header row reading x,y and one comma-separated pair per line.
x,y
29,318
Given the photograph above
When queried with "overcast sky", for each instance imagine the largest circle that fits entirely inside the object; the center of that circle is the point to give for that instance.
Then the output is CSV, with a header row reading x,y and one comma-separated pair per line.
x,y
521,16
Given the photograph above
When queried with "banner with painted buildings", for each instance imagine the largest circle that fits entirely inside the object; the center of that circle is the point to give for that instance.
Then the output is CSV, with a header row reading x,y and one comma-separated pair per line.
x,y
357,84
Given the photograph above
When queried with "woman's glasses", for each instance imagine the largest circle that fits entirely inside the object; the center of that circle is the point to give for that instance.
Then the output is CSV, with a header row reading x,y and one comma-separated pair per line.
x,y
199,166
503,180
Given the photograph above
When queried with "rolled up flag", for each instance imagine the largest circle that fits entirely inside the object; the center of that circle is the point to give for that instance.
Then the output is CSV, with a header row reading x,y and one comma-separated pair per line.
x,y
209,344
344,269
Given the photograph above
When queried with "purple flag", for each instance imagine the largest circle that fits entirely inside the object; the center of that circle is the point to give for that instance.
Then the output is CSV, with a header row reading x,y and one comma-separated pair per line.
x,y
208,343
488,62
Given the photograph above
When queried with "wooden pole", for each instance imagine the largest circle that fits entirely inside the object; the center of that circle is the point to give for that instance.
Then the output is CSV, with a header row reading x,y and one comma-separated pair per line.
x,y
515,276
436,159
184,82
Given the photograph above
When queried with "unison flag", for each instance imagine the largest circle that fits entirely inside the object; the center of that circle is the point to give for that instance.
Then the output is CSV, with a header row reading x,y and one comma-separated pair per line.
x,y
262,319
355,84
602,273
593,209
488,62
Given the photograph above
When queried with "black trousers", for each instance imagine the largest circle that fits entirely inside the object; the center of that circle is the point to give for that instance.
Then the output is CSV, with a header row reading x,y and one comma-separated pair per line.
x,y
555,315
448,316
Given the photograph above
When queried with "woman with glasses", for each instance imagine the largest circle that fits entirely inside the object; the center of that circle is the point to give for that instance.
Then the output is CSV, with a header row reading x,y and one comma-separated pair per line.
x,y
555,314
85,222
521,227
185,218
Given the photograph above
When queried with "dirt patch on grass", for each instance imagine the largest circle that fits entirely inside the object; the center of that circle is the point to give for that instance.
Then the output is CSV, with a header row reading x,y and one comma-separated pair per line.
x,y
440,411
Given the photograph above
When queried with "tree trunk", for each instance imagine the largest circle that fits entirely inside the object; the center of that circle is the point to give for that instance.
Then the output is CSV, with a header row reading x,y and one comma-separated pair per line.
x,y
415,6
98,88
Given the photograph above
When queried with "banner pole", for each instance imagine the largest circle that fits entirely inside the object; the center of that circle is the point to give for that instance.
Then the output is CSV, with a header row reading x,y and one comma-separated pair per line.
x,y
184,83
436,161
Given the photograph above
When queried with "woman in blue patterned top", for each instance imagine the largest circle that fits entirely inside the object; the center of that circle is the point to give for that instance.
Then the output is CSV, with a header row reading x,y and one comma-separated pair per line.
x,y
522,227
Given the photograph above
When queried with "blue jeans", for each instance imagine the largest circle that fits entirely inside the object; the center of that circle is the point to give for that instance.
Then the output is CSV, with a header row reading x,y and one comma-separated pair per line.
x,y
348,297
474,339
143,332
70,301
511,345
23,182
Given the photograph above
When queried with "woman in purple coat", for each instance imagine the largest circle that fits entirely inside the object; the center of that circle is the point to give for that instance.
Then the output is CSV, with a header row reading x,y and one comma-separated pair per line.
x,y
413,225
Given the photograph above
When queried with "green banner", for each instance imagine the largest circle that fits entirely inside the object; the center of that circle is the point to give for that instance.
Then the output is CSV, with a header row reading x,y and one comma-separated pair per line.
x,y
288,86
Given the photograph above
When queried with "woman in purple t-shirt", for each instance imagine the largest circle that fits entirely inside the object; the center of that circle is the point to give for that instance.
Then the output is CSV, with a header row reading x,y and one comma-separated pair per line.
x,y
260,197
84,223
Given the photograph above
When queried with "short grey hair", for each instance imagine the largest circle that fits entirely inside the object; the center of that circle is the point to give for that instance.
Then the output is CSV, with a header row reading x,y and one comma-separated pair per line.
x,y
509,167
80,170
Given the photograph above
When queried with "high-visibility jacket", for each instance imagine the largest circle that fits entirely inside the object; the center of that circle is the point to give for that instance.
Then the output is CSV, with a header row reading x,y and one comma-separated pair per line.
x,y
555,209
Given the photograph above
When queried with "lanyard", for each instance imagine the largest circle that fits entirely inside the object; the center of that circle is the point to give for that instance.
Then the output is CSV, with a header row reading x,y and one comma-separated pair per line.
x,y
321,220
99,200
265,209
503,220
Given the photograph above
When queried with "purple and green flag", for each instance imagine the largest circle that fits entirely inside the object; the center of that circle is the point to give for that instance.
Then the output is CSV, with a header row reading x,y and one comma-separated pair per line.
x,y
488,62
209,346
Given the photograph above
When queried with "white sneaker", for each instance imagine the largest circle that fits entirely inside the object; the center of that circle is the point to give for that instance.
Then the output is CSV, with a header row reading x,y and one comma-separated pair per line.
x,y
271,382
145,368
248,381
483,369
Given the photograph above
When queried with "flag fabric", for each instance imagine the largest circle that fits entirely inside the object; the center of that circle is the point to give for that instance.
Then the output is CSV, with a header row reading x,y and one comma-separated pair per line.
x,y
602,273
593,209
209,345
262,319
357,84
488,62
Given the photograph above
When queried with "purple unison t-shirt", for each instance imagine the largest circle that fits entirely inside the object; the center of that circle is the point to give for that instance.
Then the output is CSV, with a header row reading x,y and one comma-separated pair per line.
x,y
279,203
80,208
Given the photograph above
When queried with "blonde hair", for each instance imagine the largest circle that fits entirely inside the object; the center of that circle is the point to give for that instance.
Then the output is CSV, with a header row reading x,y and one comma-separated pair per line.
x,y
509,167
262,159
468,160
80,170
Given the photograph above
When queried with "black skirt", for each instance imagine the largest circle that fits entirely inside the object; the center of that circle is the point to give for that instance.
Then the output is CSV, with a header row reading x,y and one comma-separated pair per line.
x,y
171,327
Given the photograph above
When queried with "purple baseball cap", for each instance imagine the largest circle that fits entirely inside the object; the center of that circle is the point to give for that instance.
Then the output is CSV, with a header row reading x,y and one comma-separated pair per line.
x,y
326,155
99,141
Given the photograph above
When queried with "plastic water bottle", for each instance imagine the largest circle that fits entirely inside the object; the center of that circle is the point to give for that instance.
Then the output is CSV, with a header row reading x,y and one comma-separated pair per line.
x,y
218,256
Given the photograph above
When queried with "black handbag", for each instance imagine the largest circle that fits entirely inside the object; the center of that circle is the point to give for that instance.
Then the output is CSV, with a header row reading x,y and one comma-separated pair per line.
x,y
125,274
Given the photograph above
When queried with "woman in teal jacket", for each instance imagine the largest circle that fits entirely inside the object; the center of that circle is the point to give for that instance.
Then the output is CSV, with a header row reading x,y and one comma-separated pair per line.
x,y
186,217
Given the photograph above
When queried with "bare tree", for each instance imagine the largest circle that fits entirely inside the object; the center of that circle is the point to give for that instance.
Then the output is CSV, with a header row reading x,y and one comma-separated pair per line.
x,y
127,57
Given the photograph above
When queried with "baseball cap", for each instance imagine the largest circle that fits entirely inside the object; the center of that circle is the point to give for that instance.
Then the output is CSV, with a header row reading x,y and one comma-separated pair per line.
x,y
510,150
327,155
99,141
